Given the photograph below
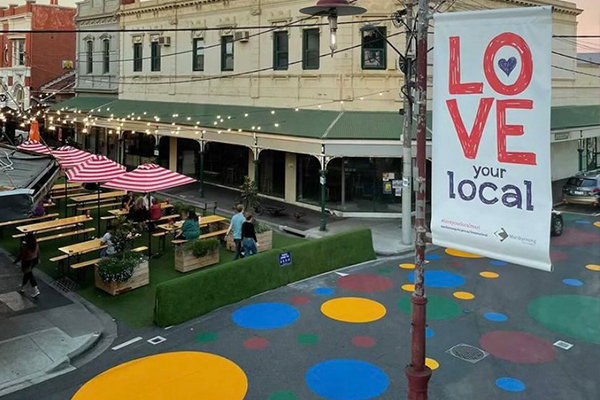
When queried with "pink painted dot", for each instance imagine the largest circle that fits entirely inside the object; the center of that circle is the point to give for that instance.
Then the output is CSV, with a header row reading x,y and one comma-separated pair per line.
x,y
518,347
363,341
256,343
558,256
365,283
297,300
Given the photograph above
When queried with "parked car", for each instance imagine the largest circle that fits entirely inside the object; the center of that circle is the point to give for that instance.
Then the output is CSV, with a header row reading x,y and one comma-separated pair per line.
x,y
556,226
583,189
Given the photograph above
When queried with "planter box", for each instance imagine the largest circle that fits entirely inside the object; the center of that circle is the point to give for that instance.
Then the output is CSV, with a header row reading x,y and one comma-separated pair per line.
x,y
265,242
140,277
185,260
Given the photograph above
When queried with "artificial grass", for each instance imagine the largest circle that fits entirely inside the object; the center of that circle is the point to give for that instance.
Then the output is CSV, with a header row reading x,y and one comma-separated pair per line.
x,y
191,296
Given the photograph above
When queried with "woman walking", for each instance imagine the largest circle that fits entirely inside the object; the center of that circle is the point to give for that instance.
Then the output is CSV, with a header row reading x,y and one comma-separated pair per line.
x,y
249,237
29,257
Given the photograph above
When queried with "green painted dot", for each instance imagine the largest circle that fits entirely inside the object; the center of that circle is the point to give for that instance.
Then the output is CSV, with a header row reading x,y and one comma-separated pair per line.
x,y
284,395
308,339
206,337
437,307
571,315
571,217
384,271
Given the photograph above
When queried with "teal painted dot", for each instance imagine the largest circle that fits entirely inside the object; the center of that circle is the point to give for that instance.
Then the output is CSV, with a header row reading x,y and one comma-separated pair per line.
x,y
308,339
206,337
437,307
283,395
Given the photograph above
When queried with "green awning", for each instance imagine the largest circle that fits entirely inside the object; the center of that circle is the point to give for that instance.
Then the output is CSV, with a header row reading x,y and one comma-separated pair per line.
x,y
85,104
572,117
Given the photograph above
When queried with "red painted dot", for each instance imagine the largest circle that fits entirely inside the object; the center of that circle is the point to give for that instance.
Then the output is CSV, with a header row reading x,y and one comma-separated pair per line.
x,y
517,347
363,341
365,283
256,343
557,255
297,300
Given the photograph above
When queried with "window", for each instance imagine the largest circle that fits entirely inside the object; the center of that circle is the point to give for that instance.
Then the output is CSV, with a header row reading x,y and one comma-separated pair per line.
x,y
155,57
227,53
311,49
280,51
198,55
105,56
18,52
374,48
137,57
89,50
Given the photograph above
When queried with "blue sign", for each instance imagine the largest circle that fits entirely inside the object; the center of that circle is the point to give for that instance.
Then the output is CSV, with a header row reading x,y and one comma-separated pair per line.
x,y
285,259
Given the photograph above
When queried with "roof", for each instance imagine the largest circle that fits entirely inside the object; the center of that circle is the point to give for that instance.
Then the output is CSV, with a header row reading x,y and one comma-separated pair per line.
x,y
64,83
312,124
21,169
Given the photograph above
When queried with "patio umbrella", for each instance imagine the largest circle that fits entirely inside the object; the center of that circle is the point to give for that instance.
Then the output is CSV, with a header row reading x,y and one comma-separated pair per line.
x,y
69,157
35,147
149,178
96,169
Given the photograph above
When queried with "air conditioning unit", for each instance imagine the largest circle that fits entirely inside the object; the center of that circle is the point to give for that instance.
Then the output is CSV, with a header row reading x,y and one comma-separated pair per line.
x,y
242,36
164,41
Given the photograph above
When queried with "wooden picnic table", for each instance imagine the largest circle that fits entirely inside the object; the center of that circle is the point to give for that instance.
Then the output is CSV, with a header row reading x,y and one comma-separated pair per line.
x,y
70,185
82,248
91,197
204,221
33,228
120,212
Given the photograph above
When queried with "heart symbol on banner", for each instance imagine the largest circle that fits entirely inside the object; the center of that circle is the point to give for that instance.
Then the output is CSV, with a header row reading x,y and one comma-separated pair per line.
x,y
507,66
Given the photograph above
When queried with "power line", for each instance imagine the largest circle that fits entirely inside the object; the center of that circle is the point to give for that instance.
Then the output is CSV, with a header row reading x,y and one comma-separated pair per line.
x,y
577,72
575,58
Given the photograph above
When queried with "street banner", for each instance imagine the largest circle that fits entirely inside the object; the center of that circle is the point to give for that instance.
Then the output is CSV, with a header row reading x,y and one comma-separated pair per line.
x,y
492,91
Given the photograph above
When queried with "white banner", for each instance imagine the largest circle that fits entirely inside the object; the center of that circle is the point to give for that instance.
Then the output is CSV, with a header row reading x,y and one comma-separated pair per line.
x,y
492,92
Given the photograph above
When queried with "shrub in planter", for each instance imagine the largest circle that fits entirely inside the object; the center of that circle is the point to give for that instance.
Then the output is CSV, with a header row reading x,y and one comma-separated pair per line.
x,y
197,254
122,272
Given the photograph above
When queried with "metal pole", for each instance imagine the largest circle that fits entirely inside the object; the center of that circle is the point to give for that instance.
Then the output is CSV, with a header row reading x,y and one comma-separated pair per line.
x,y
407,137
256,171
417,372
202,173
323,182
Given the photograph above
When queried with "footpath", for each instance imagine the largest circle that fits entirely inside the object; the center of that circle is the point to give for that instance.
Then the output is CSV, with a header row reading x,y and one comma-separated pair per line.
x,y
45,336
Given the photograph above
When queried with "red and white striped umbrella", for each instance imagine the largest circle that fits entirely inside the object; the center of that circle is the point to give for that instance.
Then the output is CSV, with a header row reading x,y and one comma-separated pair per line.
x,y
96,169
69,157
35,147
148,178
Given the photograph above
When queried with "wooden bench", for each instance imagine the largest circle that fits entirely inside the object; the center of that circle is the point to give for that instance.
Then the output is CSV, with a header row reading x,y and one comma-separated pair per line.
x,y
26,220
59,258
65,235
95,207
95,261
222,232
58,228
91,202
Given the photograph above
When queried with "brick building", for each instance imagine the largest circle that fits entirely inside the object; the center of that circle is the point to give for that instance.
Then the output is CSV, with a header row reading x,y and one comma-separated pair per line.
x,y
29,61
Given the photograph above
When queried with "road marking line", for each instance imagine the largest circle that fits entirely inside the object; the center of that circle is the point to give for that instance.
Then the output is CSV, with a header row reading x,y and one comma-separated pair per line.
x,y
168,327
156,340
127,343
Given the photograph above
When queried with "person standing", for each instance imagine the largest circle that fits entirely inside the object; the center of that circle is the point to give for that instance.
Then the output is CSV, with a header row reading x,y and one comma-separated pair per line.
x,y
236,227
249,237
29,255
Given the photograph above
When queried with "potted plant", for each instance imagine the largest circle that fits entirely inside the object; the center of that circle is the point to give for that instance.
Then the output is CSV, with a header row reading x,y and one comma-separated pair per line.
x,y
125,270
182,209
249,196
264,236
196,254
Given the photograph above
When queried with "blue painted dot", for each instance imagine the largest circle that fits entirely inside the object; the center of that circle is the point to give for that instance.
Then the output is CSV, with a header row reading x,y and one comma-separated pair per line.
x,y
432,257
498,263
347,380
265,316
510,384
583,222
324,291
495,317
440,279
429,332
572,282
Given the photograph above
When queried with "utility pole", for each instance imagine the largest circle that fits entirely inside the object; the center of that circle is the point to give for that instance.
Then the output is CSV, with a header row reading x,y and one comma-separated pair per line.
x,y
407,236
417,372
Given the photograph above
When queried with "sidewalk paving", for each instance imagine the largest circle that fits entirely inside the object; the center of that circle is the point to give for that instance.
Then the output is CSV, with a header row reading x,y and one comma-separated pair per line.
x,y
40,338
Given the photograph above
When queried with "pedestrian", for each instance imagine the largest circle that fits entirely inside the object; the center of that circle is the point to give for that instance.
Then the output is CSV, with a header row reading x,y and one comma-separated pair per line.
x,y
191,227
249,237
29,256
236,228
107,240
40,209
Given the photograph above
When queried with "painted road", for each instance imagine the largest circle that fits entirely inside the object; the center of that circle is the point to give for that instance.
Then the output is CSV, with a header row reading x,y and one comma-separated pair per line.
x,y
496,331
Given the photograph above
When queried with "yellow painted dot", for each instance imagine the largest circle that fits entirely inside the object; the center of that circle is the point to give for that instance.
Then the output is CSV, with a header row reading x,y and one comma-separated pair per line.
x,y
489,275
431,363
353,309
407,266
464,295
462,254
593,267
182,376
409,287
597,224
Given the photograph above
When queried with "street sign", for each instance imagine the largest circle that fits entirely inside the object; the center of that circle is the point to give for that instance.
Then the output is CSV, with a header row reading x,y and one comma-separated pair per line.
x,y
491,189
285,259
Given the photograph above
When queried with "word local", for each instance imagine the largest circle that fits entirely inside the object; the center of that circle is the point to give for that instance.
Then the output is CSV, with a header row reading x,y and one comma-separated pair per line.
x,y
470,142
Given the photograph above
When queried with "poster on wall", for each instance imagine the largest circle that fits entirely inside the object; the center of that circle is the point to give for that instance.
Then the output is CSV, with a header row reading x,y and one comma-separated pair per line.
x,y
491,189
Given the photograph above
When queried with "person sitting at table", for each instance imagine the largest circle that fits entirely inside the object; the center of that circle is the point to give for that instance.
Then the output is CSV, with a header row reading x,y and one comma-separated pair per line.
x,y
191,227
155,213
40,209
106,240
127,201
139,213
148,200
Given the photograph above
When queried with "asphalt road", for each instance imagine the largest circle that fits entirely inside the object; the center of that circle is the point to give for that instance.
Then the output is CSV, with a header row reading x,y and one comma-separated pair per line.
x,y
346,336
